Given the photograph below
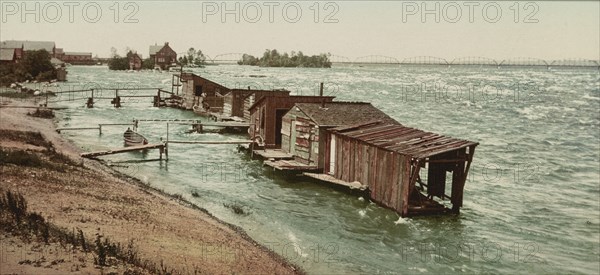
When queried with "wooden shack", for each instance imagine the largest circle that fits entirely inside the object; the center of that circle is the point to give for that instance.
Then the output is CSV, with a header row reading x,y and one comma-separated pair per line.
x,y
238,101
267,113
305,124
408,170
202,92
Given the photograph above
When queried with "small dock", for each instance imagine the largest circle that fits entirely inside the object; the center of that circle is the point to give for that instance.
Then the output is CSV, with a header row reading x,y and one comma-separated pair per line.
x,y
292,165
331,179
161,146
273,154
211,141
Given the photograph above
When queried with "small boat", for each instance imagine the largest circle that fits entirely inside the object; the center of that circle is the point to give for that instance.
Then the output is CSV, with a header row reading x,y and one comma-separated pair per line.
x,y
132,138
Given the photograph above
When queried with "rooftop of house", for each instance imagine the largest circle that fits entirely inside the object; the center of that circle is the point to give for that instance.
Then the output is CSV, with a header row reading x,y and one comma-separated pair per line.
x,y
78,53
401,139
7,54
333,114
155,48
28,45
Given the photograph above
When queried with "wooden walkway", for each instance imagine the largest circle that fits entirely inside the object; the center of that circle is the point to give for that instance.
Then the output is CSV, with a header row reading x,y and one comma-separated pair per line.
x,y
210,141
160,146
330,179
291,165
273,154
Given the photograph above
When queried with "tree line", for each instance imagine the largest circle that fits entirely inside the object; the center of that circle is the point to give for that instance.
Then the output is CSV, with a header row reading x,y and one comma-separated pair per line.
x,y
35,65
272,58
193,58
117,62
121,63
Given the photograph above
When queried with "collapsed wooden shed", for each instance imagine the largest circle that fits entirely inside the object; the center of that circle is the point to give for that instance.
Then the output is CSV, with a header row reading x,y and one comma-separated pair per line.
x,y
389,159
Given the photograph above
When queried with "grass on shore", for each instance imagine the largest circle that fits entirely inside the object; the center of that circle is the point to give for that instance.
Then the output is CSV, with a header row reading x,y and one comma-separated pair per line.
x,y
15,95
17,220
47,157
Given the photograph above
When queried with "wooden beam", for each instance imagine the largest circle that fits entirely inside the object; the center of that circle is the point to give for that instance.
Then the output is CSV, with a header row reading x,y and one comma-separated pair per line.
x,y
123,150
211,142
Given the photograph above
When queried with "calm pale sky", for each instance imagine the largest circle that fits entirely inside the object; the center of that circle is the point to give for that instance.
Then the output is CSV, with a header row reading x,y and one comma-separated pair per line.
x,y
401,29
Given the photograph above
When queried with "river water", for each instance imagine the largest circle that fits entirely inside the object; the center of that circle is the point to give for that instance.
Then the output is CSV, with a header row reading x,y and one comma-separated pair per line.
x,y
531,202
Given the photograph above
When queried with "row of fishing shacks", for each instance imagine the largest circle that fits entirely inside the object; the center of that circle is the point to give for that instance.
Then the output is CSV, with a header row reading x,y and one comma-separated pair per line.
x,y
351,144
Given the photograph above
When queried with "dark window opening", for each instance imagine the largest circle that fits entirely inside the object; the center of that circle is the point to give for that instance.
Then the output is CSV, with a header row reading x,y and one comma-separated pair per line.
x,y
198,90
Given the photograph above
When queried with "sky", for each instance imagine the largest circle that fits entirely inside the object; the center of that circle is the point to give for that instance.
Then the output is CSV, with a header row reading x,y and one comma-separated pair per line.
x,y
402,29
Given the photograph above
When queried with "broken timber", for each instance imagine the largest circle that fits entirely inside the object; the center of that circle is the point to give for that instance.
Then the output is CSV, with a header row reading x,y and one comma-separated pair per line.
x,y
331,179
161,146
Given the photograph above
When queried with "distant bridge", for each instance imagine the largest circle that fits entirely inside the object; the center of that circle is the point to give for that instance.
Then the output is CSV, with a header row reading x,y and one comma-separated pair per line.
x,y
226,58
467,61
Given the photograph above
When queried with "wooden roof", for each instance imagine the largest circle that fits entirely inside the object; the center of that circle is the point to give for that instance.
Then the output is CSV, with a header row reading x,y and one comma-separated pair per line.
x,y
404,140
155,48
29,45
291,98
339,113
7,54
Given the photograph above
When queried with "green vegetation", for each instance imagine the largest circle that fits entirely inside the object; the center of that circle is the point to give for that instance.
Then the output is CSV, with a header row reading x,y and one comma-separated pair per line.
x,y
47,157
272,58
119,63
35,65
193,57
148,64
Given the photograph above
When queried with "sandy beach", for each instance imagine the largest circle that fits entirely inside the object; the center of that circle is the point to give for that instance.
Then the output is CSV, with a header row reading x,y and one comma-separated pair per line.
x,y
166,233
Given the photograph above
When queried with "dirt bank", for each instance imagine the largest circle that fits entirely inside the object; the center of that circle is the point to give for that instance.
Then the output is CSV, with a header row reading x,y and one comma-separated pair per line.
x,y
88,196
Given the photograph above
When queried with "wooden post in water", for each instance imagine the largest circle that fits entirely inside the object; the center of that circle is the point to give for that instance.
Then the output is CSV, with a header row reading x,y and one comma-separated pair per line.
x,y
100,128
166,151
117,100
157,99
90,102
167,144
197,127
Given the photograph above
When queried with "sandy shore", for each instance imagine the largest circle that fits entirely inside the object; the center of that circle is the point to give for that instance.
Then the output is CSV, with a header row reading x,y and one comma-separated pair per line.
x,y
88,196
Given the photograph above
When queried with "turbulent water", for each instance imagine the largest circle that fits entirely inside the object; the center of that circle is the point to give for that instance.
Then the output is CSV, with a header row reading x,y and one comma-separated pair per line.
x,y
531,200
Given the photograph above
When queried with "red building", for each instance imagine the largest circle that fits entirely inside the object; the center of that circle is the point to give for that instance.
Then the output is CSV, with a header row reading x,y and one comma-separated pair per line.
x,y
163,56
78,58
